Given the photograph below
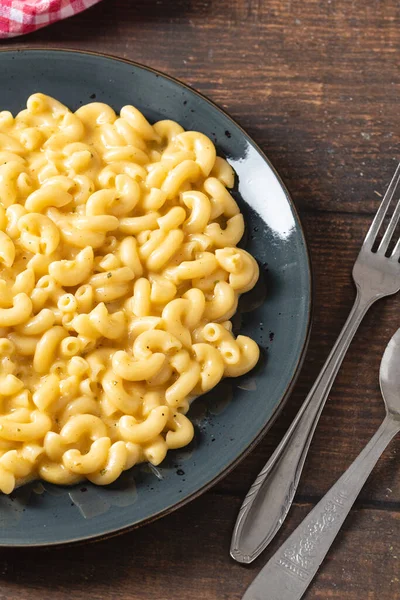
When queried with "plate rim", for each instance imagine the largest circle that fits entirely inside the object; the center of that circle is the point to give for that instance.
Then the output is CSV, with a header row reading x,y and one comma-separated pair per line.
x,y
300,361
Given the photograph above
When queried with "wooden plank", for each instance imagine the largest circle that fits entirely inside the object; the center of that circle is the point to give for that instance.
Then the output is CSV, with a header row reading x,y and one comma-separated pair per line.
x,y
186,556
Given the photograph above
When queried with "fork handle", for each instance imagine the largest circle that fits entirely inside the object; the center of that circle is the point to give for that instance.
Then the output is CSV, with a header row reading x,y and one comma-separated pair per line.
x,y
270,497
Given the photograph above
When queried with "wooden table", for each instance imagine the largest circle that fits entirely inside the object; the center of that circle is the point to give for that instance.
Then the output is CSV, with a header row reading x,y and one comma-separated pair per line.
x,y
317,84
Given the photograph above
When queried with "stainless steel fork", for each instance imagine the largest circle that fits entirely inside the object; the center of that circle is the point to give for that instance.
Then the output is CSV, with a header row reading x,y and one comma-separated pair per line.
x,y
376,274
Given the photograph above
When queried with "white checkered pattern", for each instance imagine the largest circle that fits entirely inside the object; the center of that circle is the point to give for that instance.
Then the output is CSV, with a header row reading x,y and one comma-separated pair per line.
x,y
18,17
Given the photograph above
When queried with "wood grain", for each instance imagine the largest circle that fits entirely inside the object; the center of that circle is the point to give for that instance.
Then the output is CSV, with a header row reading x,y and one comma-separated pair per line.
x,y
317,85
186,556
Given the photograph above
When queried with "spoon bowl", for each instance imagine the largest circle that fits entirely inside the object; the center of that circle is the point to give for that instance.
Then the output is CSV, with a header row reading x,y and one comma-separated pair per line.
x,y
389,376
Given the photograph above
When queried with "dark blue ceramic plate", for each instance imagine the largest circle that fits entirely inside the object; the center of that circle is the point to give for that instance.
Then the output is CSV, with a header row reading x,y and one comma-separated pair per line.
x,y
230,420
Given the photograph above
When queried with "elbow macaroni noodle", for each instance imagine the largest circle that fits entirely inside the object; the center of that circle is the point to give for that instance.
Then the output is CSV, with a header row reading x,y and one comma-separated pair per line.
x,y
119,273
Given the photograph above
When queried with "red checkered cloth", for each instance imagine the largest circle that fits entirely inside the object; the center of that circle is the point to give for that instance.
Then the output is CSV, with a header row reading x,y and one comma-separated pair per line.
x,y
18,17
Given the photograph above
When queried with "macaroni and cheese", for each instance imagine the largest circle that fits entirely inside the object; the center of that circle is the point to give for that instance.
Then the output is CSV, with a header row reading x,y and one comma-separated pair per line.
x,y
119,273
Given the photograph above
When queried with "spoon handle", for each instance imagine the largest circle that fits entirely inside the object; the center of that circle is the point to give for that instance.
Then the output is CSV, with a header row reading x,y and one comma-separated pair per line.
x,y
290,571
270,497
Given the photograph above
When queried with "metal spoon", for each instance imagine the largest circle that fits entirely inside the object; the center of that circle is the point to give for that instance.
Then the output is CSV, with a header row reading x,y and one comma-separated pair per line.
x,y
290,571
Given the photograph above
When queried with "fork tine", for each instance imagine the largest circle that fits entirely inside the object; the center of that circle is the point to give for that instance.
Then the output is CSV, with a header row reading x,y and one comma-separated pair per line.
x,y
396,251
381,212
387,236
